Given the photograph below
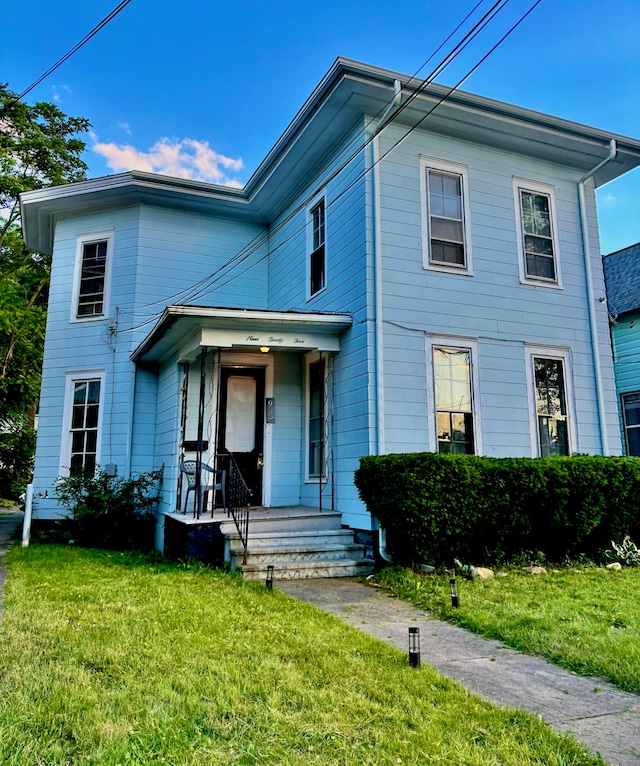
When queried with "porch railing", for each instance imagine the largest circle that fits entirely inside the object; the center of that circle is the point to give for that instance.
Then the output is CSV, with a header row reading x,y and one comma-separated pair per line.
x,y
238,500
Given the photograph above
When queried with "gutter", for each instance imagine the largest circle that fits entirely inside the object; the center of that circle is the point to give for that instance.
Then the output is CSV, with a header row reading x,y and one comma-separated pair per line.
x,y
380,440
602,418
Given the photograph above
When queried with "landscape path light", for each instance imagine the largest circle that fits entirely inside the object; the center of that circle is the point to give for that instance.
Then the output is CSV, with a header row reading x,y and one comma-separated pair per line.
x,y
269,582
453,588
414,647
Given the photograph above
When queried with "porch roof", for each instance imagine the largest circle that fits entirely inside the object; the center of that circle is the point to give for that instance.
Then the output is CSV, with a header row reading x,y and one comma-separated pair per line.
x,y
186,329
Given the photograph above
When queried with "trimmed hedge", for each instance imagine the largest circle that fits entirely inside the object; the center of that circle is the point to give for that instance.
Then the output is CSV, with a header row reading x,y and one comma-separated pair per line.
x,y
486,510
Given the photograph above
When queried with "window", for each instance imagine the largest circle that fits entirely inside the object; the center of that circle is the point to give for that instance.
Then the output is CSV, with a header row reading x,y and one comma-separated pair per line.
x,y
91,284
551,406
537,239
446,232
316,457
317,256
83,416
454,411
631,421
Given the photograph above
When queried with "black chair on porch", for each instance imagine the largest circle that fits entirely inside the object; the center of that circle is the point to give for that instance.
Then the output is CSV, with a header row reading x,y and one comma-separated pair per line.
x,y
211,480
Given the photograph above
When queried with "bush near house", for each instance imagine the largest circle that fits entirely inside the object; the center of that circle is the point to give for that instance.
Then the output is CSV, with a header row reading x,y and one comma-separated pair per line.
x,y
17,448
486,510
108,511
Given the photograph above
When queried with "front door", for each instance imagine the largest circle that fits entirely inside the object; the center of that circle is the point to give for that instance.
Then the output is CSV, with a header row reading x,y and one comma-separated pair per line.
x,y
241,423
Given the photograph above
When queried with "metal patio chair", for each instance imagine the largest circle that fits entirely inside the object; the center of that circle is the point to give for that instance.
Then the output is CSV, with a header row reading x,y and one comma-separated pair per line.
x,y
211,480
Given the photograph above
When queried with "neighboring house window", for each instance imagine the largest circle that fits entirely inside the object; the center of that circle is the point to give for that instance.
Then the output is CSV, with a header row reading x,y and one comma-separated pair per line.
x,y
453,398
82,417
551,406
317,258
91,287
631,420
445,215
537,239
316,446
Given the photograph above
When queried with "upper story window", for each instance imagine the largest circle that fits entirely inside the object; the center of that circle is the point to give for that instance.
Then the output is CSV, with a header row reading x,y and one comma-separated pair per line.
x,y
317,256
631,421
537,238
91,283
446,232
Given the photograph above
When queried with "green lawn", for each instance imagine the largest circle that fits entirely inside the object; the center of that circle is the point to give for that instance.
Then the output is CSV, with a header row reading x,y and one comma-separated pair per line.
x,y
587,620
111,659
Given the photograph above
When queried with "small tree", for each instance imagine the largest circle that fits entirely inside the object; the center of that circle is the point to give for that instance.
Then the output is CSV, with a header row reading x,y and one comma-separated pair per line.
x,y
38,147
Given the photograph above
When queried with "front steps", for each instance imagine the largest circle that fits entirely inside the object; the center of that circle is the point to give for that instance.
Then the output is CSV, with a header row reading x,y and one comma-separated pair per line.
x,y
299,542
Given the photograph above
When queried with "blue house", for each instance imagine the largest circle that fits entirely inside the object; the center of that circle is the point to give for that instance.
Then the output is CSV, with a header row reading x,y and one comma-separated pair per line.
x,y
622,279
408,269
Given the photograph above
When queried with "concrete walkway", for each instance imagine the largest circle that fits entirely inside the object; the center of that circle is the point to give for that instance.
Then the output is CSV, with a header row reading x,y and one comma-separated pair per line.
x,y
600,716
9,522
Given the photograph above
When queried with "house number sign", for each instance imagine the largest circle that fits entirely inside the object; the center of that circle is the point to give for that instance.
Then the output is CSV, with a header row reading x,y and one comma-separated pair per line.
x,y
270,410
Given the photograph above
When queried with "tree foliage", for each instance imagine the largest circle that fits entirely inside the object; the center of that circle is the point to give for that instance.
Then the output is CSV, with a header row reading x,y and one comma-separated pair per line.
x,y
39,146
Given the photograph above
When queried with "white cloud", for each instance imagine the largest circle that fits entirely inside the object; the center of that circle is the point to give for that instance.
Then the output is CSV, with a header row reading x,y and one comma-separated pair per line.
x,y
608,198
126,127
57,97
186,158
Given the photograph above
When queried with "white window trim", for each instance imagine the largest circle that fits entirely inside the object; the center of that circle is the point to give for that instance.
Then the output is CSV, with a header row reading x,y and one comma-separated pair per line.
x,y
550,352
446,166
86,239
625,427
65,447
321,197
537,187
464,344
309,360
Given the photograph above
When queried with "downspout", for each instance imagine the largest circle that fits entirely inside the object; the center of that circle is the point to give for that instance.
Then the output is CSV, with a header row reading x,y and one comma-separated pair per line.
x,y
590,296
380,440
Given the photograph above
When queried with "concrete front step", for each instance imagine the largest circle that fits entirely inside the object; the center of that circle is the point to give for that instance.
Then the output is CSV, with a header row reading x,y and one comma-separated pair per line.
x,y
300,570
302,538
274,522
292,553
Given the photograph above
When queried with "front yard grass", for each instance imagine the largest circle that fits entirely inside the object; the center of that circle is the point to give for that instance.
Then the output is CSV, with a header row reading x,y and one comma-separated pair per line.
x,y
109,658
584,619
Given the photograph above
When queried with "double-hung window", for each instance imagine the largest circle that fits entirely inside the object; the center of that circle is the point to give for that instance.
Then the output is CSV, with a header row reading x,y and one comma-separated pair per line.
x,y
537,237
91,285
82,418
453,400
446,234
631,421
551,406
317,253
315,426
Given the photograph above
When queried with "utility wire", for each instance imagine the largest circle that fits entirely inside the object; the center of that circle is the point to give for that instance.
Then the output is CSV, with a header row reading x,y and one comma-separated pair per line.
x,y
209,283
68,55
467,38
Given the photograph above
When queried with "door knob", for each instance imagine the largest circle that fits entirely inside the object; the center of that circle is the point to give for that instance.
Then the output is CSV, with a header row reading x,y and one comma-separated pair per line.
x,y
260,462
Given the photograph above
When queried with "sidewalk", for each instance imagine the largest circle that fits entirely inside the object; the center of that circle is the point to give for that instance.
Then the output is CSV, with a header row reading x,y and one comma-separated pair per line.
x,y
9,522
599,716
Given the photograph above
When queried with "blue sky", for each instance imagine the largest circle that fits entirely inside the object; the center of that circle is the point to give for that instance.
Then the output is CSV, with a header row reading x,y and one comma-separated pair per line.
x,y
204,89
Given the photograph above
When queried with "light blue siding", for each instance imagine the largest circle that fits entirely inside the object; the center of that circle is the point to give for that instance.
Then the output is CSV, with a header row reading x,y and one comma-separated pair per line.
x,y
492,306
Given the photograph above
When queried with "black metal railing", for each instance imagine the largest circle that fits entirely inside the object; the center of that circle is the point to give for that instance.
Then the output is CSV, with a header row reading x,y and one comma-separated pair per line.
x,y
238,500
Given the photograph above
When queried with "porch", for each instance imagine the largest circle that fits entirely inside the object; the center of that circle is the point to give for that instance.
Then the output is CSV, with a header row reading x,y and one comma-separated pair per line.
x,y
298,541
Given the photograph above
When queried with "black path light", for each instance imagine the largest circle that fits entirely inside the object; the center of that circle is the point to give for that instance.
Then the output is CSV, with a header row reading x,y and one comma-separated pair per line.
x,y
269,582
453,588
414,647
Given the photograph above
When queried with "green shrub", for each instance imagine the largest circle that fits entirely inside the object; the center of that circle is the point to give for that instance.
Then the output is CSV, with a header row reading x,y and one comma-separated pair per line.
x,y
108,511
17,448
486,510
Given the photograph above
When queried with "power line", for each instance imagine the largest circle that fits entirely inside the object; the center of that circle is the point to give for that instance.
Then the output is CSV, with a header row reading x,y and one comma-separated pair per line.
x,y
68,55
210,282
214,280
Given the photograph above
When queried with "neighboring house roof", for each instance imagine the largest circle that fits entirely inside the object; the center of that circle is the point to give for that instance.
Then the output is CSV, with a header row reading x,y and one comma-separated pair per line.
x,y
622,279
349,94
